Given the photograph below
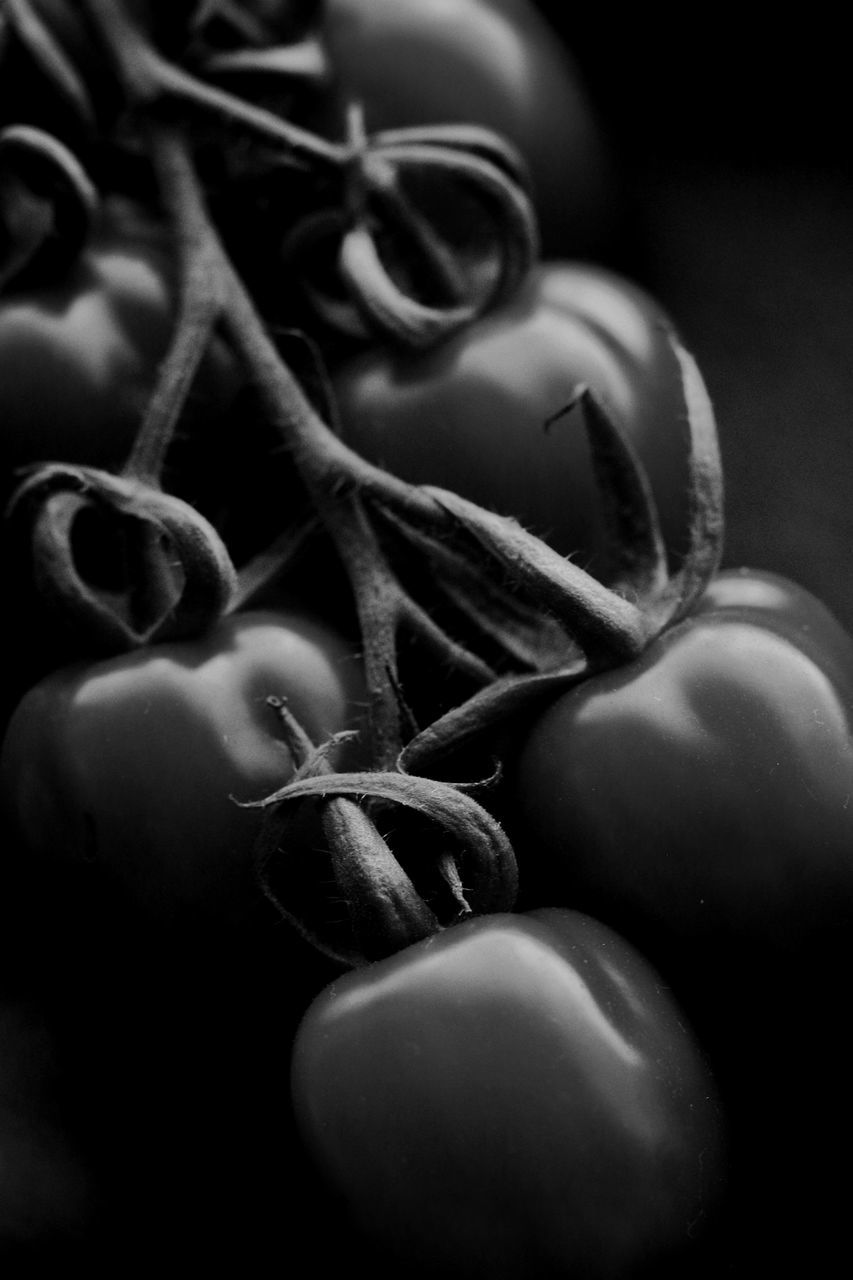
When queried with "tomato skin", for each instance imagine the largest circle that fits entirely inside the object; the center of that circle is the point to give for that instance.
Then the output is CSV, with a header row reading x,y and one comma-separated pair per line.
x,y
135,763
710,780
481,414
516,1096
489,62
84,349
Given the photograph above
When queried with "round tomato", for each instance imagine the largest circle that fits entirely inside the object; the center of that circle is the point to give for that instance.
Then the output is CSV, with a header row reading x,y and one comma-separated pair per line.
x,y
81,352
137,764
709,780
487,413
516,1096
489,62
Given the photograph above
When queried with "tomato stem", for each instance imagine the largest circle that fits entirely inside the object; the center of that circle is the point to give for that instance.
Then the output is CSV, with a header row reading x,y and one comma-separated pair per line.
x,y
406,279
200,306
374,201
343,486
465,864
48,203
49,54
148,77
168,572
704,551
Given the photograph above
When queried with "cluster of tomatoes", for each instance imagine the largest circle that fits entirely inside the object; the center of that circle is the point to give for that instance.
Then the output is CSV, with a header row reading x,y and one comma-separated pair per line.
x,y
410,830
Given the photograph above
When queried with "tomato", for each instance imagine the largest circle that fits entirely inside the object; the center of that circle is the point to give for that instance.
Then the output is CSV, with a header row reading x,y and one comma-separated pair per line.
x,y
484,414
82,351
698,798
135,765
489,62
721,759
515,1096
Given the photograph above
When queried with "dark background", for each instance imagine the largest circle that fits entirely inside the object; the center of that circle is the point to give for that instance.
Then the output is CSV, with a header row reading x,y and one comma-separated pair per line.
x,y
732,144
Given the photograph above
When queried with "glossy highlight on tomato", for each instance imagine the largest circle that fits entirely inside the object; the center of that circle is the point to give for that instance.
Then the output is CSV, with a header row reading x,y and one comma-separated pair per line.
x,y
517,1096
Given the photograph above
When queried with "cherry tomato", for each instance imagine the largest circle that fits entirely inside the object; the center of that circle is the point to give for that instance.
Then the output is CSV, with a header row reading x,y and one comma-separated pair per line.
x,y
516,1096
711,778
81,352
487,413
489,62
136,764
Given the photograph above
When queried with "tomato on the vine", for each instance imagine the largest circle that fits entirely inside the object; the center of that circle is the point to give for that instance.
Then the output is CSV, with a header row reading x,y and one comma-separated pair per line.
x,y
138,764
517,1096
489,62
709,780
81,351
495,413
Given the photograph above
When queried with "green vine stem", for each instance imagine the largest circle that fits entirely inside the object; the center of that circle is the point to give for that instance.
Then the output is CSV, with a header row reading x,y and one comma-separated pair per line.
x,y
254,46
386,913
474,869
38,39
48,204
148,77
490,714
153,568
333,482
375,302
367,175
177,574
247,26
345,488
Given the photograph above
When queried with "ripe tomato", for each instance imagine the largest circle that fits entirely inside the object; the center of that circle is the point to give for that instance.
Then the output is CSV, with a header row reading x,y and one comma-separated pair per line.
x,y
481,413
709,780
136,763
489,62
81,352
514,1097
